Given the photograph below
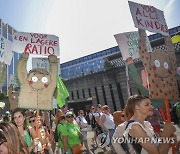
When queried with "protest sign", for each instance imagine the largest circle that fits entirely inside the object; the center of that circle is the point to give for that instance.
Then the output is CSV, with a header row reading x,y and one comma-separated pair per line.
x,y
149,18
33,43
128,44
6,53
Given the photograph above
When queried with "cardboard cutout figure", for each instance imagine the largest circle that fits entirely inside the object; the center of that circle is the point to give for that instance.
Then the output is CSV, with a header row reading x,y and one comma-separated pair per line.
x,y
161,68
13,97
37,86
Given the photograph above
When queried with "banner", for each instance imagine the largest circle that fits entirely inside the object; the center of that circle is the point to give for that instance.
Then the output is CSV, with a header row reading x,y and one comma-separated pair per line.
x,y
6,53
128,44
149,18
38,44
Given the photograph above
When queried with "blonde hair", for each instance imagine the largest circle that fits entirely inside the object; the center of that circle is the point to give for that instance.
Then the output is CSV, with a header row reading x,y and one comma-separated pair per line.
x,y
15,143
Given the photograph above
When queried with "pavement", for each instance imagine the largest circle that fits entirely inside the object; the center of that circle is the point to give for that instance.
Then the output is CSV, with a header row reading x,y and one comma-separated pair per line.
x,y
92,147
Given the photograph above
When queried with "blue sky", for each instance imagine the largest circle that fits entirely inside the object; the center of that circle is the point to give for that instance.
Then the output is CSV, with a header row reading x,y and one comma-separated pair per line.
x,y
83,26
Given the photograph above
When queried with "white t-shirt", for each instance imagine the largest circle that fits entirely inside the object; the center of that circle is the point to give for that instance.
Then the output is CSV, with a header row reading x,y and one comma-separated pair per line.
x,y
109,123
148,129
82,122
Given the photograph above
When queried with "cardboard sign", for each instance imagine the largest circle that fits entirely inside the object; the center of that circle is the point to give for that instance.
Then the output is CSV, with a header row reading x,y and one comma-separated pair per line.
x,y
38,85
161,70
6,53
128,44
149,18
33,43
43,63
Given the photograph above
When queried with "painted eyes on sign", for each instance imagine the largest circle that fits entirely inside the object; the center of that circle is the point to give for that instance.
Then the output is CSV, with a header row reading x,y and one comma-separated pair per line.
x,y
157,64
166,65
34,79
44,79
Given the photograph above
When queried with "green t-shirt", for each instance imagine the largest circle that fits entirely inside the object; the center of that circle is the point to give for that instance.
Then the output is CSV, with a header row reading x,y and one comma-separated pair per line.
x,y
27,138
59,130
71,131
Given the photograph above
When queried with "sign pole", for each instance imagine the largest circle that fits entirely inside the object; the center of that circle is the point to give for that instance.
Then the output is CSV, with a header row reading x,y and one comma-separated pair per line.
x,y
166,103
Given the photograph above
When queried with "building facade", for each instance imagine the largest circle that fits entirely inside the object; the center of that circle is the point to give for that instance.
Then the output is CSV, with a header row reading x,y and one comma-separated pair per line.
x,y
100,78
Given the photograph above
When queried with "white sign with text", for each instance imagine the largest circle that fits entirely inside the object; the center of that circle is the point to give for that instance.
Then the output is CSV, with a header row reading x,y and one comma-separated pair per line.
x,y
149,18
34,43
128,44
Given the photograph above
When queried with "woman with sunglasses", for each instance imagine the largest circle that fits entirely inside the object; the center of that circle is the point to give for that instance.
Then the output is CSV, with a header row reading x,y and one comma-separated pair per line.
x,y
27,132
71,136
81,121
10,140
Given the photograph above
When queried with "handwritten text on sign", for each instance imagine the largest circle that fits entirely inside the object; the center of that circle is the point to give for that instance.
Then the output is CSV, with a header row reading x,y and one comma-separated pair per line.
x,y
148,18
33,43
128,44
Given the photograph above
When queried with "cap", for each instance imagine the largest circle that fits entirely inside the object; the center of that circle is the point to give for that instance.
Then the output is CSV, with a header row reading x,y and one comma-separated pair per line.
x,y
69,113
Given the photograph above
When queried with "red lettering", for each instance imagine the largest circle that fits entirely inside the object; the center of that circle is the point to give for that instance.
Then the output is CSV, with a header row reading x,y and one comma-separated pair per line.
x,y
158,26
15,37
27,48
139,21
149,24
34,49
138,12
50,50
41,36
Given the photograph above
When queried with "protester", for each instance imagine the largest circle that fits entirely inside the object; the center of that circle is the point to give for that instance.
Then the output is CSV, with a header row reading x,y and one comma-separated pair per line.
x,y
81,121
92,122
27,132
71,135
138,128
10,140
118,117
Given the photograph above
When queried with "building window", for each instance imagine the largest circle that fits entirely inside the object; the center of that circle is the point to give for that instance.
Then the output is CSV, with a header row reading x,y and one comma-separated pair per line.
x,y
97,97
77,94
112,96
104,95
120,95
72,95
89,91
83,93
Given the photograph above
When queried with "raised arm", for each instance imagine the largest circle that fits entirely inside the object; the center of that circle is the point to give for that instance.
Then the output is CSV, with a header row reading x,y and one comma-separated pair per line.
x,y
53,62
21,68
144,55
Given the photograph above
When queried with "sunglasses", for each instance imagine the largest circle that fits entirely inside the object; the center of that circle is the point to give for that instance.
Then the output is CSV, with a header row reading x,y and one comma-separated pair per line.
x,y
93,108
106,108
30,121
2,142
70,116
81,113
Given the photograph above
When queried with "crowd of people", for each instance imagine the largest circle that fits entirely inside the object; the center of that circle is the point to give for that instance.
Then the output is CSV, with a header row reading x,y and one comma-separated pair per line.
x,y
25,131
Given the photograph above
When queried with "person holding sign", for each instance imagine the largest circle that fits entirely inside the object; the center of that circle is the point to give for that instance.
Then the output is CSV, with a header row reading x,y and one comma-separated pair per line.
x,y
141,133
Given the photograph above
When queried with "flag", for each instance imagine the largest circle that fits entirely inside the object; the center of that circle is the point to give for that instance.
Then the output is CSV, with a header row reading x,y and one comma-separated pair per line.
x,y
62,93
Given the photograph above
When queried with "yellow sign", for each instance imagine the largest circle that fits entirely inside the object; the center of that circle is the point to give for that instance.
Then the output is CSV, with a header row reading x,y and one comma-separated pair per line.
x,y
175,39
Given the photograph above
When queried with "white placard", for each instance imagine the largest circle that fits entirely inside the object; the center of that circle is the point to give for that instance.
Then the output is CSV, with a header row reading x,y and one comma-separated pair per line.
x,y
6,53
43,63
128,44
149,18
34,43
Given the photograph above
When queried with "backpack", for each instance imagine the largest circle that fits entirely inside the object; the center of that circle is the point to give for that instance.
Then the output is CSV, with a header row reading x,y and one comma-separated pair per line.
x,y
93,121
88,119
56,136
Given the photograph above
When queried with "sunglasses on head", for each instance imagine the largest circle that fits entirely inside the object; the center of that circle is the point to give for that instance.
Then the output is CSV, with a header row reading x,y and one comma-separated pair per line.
x,y
70,116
